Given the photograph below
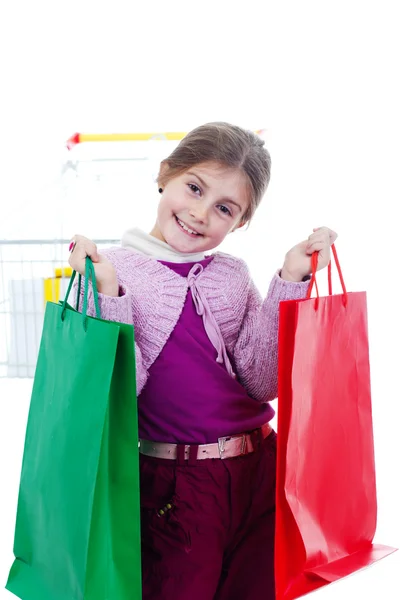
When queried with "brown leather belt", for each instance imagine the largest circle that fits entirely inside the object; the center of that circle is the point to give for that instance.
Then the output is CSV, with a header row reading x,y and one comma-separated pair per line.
x,y
226,447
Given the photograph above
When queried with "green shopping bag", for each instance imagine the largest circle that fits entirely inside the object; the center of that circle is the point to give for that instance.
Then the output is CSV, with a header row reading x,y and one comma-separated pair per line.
x,y
77,534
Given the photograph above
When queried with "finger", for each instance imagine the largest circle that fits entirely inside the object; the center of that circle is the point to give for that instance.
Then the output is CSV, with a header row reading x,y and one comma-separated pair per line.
x,y
326,236
76,263
74,241
319,236
92,252
83,248
317,247
331,234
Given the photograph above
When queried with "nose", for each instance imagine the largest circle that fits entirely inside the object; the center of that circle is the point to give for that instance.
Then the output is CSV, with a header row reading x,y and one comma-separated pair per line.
x,y
199,214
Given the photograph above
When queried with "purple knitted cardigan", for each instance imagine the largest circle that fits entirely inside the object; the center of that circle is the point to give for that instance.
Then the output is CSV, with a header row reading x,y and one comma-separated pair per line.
x,y
152,296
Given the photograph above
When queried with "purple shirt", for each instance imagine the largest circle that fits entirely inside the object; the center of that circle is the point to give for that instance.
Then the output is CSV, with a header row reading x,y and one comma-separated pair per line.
x,y
189,397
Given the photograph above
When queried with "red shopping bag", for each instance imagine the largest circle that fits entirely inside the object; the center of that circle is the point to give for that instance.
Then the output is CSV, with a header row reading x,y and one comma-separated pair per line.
x,y
326,491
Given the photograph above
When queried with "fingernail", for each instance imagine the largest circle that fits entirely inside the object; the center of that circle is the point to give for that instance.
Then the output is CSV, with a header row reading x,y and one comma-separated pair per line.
x,y
71,246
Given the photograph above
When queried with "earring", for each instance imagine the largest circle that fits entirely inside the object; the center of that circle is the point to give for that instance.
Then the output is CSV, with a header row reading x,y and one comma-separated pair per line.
x,y
160,190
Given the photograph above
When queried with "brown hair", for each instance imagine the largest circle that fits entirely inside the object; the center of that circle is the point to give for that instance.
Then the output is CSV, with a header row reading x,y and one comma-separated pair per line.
x,y
227,144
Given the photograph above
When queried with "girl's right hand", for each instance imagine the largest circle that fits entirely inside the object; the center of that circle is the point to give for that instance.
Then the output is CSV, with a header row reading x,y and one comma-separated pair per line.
x,y
106,277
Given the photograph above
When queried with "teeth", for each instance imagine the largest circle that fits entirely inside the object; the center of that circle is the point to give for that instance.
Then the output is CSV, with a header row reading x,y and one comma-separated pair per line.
x,y
187,228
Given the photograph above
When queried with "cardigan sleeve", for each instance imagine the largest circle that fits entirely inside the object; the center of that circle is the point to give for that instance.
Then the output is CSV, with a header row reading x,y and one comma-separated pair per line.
x,y
256,348
118,309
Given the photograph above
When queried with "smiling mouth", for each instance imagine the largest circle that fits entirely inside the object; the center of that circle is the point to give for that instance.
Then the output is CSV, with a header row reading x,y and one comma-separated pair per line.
x,y
179,222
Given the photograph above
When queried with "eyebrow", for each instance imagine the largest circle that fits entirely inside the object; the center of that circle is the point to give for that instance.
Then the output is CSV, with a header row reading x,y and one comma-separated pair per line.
x,y
203,183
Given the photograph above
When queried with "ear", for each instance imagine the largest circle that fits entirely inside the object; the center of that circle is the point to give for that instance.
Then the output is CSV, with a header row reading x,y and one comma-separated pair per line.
x,y
241,224
238,226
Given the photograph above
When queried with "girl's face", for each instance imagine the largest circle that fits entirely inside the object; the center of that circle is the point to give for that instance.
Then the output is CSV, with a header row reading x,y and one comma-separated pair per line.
x,y
209,199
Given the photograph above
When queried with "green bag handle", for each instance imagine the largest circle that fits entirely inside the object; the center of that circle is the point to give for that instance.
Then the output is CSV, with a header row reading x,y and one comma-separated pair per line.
x,y
89,274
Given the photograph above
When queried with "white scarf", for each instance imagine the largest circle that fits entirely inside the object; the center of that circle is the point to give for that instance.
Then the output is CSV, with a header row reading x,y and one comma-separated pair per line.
x,y
140,241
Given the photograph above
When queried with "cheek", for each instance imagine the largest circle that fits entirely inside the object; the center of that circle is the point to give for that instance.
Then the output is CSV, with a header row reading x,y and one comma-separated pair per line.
x,y
165,207
172,205
218,230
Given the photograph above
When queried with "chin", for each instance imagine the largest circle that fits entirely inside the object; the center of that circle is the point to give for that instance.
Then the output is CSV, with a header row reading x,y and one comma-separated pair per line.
x,y
184,248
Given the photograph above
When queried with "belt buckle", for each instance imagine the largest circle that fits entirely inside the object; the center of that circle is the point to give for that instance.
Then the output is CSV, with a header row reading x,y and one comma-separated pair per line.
x,y
222,442
221,445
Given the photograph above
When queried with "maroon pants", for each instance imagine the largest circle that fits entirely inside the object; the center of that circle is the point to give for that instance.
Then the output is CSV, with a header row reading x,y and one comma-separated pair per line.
x,y
214,537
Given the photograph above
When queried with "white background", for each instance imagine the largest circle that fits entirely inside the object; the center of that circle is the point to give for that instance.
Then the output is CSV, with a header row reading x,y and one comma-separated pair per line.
x,y
320,77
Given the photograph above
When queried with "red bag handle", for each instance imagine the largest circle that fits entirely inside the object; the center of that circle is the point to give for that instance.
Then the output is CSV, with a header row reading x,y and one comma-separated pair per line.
x,y
314,265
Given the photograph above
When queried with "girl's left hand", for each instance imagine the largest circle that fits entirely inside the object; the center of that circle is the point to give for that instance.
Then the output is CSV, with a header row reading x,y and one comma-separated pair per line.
x,y
298,259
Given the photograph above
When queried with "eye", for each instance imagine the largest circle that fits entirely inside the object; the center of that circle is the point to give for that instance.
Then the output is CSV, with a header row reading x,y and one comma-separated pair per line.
x,y
225,213
195,188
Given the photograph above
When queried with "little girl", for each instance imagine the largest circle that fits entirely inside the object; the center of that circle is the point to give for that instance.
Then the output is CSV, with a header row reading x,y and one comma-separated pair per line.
x,y
206,368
